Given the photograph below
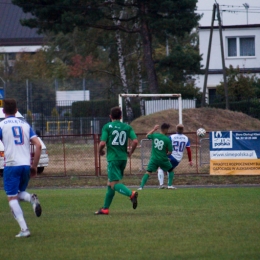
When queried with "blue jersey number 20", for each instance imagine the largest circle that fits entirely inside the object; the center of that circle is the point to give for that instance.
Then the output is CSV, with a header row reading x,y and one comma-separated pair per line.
x,y
18,135
178,146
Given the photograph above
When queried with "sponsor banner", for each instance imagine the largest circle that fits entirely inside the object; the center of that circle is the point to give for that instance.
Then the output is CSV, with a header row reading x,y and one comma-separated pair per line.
x,y
235,146
239,154
1,93
235,167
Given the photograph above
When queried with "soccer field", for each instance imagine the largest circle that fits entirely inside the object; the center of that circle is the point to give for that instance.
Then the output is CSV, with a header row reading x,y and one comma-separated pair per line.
x,y
204,223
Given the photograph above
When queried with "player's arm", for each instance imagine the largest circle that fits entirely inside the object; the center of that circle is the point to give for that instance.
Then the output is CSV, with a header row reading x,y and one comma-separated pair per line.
x,y
134,142
133,146
189,154
169,148
156,127
101,147
37,153
102,144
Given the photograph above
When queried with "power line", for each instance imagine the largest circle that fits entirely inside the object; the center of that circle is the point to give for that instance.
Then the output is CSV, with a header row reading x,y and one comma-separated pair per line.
x,y
240,6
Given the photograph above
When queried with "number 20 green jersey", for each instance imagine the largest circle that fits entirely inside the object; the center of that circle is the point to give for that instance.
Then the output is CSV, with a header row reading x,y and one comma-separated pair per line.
x,y
116,135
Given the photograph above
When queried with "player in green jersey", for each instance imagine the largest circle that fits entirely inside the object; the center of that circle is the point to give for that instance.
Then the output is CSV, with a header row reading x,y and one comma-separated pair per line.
x,y
161,147
115,136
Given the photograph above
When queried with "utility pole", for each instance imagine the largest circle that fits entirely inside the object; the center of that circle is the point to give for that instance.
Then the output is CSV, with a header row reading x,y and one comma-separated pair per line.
x,y
246,5
222,57
203,101
215,9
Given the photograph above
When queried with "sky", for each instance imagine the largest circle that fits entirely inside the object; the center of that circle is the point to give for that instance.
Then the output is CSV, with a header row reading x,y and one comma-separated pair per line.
x,y
233,12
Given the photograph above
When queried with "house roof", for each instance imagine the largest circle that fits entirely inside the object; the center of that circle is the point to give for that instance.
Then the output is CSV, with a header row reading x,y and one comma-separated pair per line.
x,y
12,33
231,26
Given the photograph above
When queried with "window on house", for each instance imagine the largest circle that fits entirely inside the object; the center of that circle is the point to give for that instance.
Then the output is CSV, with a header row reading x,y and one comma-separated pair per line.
x,y
247,46
240,46
11,56
212,95
232,47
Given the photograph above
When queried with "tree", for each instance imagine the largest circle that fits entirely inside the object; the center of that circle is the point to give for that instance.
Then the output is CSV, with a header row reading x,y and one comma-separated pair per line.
x,y
182,60
240,85
148,18
31,82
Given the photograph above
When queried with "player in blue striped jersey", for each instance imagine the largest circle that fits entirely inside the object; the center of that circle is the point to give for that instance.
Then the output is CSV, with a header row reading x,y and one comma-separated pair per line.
x,y
179,143
16,136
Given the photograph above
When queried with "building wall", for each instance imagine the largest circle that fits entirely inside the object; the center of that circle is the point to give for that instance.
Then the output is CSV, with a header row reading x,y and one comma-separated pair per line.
x,y
246,62
215,57
213,80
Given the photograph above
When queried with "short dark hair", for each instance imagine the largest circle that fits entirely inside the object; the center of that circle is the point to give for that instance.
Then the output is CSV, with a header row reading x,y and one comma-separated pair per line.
x,y
165,126
10,106
180,128
116,112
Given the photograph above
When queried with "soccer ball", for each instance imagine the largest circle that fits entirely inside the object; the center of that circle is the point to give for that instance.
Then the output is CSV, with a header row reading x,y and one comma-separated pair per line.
x,y
201,132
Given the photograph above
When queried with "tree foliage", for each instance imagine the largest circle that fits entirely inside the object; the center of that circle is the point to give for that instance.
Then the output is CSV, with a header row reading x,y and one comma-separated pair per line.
x,y
148,19
240,86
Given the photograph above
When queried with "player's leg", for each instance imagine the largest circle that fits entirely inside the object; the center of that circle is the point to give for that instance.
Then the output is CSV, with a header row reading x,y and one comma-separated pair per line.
x,y
107,201
121,188
116,173
110,191
161,178
144,179
24,195
152,167
11,186
174,163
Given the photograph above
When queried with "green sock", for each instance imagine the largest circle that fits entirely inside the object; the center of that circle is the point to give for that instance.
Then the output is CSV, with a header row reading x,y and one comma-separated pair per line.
x,y
170,178
109,197
122,189
144,179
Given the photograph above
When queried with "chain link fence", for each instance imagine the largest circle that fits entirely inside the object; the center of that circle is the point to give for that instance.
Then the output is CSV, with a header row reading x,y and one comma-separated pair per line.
x,y
77,155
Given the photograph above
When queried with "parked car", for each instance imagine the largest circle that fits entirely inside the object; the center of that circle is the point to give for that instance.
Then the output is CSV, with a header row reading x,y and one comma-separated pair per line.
x,y
44,158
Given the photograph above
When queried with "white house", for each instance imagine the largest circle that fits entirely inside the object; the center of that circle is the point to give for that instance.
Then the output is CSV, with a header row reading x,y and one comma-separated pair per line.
x,y
241,49
15,38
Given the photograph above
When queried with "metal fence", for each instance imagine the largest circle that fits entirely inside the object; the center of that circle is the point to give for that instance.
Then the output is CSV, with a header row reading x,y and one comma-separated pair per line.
x,y
153,106
204,151
77,155
48,125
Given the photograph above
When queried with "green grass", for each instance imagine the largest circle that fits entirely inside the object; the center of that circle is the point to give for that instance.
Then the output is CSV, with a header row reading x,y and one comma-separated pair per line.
x,y
215,223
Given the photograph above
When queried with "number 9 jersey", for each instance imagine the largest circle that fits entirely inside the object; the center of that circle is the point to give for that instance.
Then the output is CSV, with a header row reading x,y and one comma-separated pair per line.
x,y
116,135
15,135
179,143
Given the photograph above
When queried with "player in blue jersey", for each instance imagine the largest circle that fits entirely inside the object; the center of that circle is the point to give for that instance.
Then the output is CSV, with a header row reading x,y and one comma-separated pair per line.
x,y
17,136
179,143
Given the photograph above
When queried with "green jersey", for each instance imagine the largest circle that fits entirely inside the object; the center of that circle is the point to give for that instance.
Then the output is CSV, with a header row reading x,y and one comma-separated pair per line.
x,y
161,144
116,135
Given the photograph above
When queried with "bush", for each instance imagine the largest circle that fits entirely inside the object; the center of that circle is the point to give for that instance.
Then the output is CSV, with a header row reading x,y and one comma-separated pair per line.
x,y
100,108
250,107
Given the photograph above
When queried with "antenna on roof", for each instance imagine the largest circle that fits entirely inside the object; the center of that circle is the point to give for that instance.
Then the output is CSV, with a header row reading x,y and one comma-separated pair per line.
x,y
246,5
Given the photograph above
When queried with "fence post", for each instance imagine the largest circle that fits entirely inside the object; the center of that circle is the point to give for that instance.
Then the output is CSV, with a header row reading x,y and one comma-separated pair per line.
x,y
64,155
96,154
197,167
130,161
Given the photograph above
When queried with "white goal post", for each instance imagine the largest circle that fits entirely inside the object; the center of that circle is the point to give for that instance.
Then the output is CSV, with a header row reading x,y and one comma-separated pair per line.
x,y
120,101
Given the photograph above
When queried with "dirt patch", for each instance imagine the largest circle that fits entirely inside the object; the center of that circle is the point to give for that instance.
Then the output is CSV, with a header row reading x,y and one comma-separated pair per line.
x,y
212,119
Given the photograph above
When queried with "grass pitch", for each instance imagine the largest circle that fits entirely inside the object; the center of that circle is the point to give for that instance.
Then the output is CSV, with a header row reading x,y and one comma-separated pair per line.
x,y
215,223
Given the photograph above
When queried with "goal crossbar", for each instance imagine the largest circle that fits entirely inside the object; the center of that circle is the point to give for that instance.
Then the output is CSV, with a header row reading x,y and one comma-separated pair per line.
x,y
120,101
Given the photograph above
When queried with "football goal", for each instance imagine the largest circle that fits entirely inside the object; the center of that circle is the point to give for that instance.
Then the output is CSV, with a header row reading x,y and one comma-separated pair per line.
x,y
121,96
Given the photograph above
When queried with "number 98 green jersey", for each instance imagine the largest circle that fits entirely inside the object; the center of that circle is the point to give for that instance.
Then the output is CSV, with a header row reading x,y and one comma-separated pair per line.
x,y
116,135
161,144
